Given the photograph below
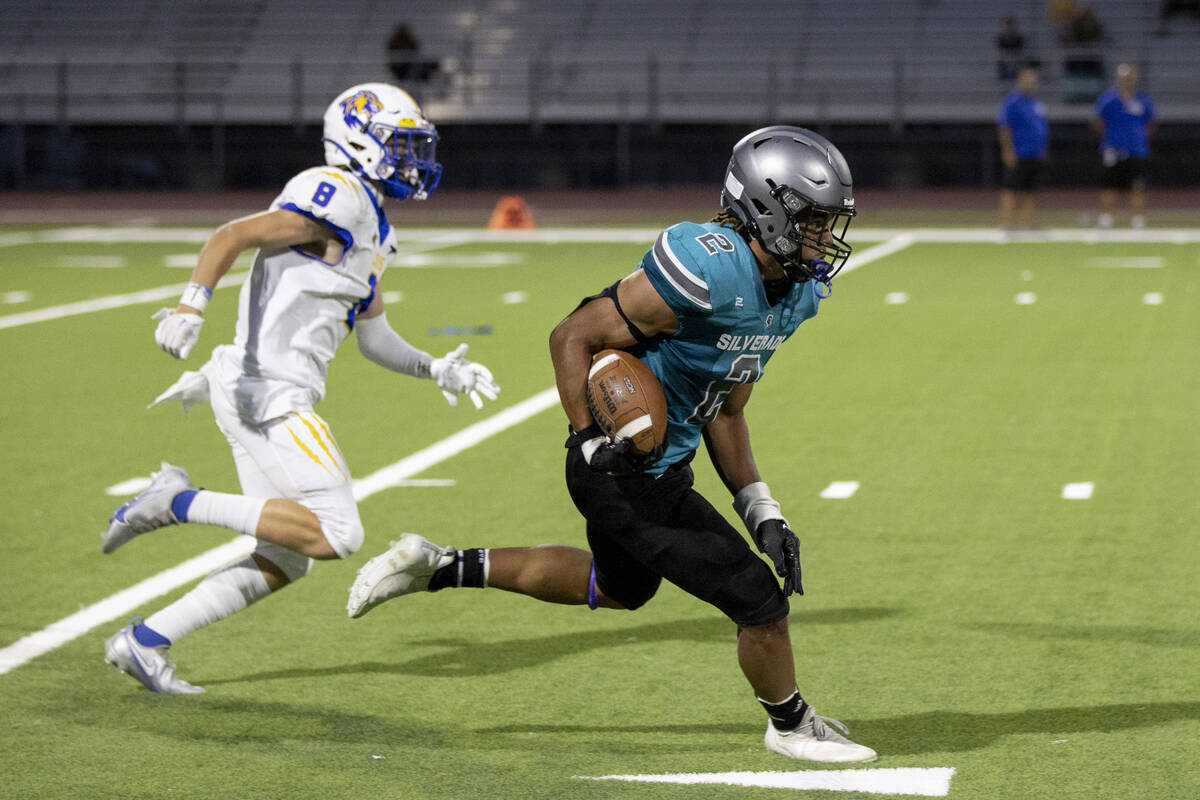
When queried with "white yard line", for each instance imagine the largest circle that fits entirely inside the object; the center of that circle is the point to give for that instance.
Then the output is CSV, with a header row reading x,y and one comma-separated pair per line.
x,y
171,292
125,601
894,244
1078,491
925,782
893,240
160,293
455,236
840,490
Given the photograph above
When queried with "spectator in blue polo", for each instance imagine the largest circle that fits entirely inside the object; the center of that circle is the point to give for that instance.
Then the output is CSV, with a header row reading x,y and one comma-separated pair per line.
x,y
1125,121
1024,134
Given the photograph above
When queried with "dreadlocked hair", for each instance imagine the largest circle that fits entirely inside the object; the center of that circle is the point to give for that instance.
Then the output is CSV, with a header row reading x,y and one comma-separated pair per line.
x,y
727,219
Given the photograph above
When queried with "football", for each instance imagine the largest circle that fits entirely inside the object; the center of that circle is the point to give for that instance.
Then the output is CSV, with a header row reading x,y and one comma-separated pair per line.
x,y
626,400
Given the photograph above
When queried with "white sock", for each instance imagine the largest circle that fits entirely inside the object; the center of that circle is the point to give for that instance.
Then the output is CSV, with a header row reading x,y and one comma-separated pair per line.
x,y
217,596
1104,220
1138,221
234,511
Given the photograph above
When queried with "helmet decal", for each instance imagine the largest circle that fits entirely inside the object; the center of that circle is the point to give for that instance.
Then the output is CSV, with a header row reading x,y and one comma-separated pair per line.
x,y
358,109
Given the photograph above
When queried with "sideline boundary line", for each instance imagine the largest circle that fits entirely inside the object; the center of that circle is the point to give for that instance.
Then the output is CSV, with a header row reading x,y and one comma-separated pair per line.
x,y
456,236
125,601
434,238
426,243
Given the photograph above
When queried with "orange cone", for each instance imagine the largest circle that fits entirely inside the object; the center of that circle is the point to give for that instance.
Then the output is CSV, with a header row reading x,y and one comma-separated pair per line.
x,y
511,214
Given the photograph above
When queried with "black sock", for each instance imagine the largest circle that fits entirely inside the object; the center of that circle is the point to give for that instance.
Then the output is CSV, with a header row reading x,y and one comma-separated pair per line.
x,y
468,569
788,715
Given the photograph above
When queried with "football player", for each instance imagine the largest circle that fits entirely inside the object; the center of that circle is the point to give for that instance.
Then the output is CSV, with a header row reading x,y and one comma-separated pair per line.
x,y
705,311
322,248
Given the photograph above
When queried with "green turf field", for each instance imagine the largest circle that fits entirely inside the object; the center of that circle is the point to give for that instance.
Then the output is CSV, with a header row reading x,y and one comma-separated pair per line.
x,y
960,612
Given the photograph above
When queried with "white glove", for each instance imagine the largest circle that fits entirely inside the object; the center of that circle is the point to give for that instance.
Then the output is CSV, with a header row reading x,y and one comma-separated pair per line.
x,y
455,375
177,333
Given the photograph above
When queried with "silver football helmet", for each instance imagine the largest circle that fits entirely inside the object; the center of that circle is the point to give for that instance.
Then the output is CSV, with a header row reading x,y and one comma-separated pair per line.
x,y
379,131
791,187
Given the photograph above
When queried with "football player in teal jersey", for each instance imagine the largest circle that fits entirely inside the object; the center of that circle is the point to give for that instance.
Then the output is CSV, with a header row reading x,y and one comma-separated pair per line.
x,y
705,310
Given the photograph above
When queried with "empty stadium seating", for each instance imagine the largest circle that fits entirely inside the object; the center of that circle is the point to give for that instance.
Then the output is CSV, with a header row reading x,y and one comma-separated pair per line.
x,y
273,61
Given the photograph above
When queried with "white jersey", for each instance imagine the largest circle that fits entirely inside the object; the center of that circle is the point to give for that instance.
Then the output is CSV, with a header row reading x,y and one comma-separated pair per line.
x,y
295,309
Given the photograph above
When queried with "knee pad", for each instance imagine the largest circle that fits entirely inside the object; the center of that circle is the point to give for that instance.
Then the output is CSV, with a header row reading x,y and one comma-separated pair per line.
x,y
293,564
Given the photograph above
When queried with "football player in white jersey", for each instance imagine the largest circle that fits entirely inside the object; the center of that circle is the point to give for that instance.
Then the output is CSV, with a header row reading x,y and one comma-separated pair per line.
x,y
322,248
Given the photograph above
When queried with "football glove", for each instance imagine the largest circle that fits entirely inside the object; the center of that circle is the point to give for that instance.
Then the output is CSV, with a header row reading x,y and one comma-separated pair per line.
x,y
456,375
764,520
612,458
776,539
177,333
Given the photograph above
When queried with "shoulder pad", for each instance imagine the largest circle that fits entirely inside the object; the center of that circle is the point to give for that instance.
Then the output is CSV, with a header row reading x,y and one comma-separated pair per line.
x,y
328,193
334,197
679,260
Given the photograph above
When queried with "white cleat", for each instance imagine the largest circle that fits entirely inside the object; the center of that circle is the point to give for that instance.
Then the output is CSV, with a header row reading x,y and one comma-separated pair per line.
x,y
148,511
149,665
814,740
405,567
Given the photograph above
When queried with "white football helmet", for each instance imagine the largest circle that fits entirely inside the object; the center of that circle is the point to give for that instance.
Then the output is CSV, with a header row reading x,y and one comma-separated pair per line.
x,y
378,131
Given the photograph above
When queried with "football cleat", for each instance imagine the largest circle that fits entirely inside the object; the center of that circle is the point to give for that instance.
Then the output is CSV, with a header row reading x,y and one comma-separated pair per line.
x,y
405,567
149,665
815,740
148,511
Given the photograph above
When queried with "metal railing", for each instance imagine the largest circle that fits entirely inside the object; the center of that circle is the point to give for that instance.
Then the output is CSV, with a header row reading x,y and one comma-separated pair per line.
x,y
885,88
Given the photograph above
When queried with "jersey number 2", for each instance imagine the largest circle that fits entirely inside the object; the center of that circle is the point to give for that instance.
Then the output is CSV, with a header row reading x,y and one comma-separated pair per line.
x,y
746,368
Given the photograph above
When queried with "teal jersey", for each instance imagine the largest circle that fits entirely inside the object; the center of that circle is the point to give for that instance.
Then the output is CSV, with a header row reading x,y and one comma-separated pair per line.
x,y
727,328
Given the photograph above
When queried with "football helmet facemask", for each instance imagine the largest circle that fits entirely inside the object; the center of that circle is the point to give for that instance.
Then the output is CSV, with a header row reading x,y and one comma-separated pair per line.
x,y
791,188
379,132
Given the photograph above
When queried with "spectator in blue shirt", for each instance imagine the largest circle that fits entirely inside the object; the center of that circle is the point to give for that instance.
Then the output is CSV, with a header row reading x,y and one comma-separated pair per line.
x,y
1125,122
1024,133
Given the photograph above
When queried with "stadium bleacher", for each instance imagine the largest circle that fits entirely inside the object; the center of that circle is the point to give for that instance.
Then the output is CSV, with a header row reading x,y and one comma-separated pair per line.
x,y
514,60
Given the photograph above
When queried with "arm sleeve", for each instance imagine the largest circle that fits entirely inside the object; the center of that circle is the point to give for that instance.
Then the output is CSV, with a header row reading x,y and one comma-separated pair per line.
x,y
382,345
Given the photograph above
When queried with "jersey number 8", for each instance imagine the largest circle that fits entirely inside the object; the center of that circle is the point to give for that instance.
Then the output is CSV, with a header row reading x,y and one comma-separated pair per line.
x,y
324,193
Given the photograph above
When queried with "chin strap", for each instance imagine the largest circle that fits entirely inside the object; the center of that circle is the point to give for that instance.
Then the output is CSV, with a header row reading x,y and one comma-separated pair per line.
x,y
820,270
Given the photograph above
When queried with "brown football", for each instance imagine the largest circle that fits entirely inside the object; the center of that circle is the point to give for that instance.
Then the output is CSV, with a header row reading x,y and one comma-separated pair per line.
x,y
626,400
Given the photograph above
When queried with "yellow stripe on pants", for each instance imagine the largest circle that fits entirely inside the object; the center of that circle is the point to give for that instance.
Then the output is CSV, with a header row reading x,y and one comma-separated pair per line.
x,y
307,450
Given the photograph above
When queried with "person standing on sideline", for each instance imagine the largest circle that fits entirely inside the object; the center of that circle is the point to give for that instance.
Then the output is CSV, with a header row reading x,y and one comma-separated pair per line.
x,y
706,308
1024,134
322,248
1124,120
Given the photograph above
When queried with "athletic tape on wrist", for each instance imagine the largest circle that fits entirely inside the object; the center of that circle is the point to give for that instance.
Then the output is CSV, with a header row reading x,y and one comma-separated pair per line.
x,y
590,447
196,295
754,505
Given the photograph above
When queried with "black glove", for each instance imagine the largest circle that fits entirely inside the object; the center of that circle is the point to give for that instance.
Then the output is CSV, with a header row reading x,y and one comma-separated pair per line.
x,y
776,539
609,457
